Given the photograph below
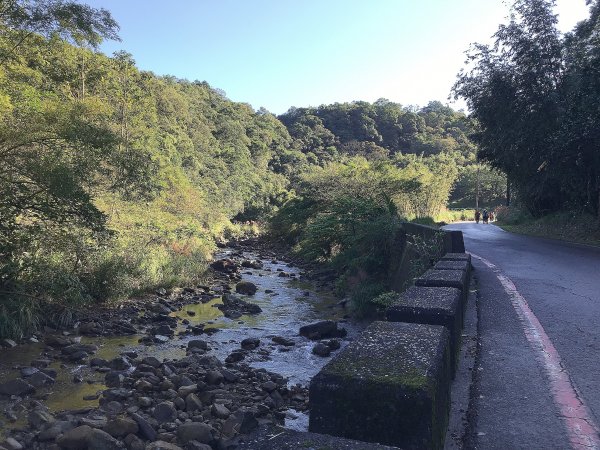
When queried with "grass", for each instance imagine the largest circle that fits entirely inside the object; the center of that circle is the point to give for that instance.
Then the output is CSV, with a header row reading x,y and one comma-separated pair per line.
x,y
565,226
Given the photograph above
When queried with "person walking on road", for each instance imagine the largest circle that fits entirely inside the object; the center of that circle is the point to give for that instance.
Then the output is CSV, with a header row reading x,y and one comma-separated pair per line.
x,y
486,216
477,216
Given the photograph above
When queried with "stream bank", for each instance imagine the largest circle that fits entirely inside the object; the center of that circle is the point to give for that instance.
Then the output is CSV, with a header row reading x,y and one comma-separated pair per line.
x,y
181,367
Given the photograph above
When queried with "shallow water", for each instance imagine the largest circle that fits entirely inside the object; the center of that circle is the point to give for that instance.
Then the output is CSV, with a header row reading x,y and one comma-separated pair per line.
x,y
283,312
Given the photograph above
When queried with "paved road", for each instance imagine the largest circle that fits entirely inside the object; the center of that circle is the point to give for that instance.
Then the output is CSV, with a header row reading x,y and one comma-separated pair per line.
x,y
516,402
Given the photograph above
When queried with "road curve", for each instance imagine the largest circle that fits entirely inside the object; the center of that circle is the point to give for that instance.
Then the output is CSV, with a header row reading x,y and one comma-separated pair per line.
x,y
517,405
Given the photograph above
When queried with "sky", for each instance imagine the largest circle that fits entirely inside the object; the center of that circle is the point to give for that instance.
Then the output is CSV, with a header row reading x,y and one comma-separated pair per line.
x,y
281,53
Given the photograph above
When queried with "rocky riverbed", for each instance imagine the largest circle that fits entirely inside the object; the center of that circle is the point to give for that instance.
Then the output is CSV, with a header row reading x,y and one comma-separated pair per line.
x,y
196,368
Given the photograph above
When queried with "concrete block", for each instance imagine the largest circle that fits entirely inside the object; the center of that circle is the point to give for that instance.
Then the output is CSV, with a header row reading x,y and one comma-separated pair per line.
x,y
432,306
446,278
390,386
456,257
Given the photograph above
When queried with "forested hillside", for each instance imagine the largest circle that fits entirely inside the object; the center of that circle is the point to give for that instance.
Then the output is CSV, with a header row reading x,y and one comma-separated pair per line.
x,y
114,180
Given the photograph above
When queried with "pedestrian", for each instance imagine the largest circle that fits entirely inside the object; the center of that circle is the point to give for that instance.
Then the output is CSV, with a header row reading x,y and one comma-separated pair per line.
x,y
486,216
491,216
477,216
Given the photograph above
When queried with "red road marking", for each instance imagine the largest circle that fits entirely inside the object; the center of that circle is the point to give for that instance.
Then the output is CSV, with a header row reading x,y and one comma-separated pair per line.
x,y
583,432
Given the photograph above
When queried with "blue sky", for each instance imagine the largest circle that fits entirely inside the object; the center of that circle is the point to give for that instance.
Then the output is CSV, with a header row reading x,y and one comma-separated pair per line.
x,y
282,53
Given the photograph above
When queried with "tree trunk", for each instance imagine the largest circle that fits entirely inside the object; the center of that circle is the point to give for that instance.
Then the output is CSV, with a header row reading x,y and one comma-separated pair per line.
x,y
507,192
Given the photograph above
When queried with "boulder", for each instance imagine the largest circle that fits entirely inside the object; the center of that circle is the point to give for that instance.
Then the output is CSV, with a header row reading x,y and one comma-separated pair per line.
x,y
165,412
322,330
16,387
75,439
250,343
321,349
246,288
121,426
195,431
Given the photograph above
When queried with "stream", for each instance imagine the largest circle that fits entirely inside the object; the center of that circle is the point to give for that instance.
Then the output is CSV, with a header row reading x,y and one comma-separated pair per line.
x,y
287,303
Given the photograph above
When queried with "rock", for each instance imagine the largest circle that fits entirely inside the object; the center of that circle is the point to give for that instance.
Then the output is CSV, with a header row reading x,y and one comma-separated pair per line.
x,y
233,306
28,371
198,343
58,341
220,411
40,379
133,442
321,330
16,387
252,264
242,421
98,362
245,288
146,430
321,349
165,412
184,391
8,343
113,379
250,343
160,339
101,440
230,376
75,439
162,445
11,444
235,356
192,403
121,426
151,361
39,418
195,445
214,377
54,430
195,431
269,386
283,341
224,265
333,344
144,402
119,363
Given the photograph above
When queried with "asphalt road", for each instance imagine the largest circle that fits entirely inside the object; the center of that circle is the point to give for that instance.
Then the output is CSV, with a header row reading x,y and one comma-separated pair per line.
x,y
515,406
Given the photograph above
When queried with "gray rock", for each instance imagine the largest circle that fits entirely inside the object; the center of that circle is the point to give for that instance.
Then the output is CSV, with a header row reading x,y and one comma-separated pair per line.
x,y
12,444
162,445
269,386
245,288
165,412
195,445
113,379
8,343
195,431
101,440
16,387
321,349
145,429
40,379
39,418
323,329
121,426
28,371
119,363
56,429
250,343
151,361
75,439
220,411
192,403
214,377
283,341
198,343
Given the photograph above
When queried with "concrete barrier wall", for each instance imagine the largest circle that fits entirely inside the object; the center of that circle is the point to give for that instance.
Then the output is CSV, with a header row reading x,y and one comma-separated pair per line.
x,y
392,385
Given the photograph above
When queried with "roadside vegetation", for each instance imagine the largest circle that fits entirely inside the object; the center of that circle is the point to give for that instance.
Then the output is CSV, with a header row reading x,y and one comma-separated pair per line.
x,y
535,94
